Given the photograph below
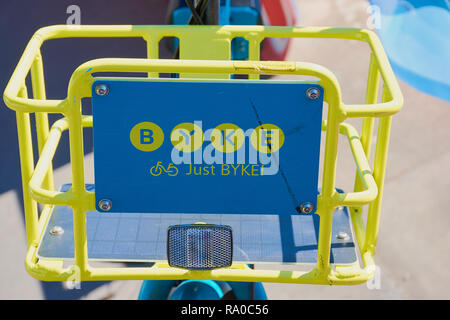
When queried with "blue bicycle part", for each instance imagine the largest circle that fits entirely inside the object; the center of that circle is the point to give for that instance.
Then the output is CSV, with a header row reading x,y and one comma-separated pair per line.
x,y
201,290
156,289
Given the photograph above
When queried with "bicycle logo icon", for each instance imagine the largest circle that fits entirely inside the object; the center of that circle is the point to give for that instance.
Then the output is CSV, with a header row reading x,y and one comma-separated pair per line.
x,y
157,169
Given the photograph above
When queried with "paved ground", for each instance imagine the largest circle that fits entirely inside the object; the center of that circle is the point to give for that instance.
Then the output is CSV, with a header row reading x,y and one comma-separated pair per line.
x,y
414,242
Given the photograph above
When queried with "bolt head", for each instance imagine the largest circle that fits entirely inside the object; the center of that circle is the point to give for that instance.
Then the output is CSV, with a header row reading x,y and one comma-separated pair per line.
x,y
343,235
101,90
313,93
56,231
105,204
305,207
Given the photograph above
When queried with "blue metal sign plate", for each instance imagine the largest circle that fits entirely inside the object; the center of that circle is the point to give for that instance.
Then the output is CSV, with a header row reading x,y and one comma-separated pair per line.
x,y
186,146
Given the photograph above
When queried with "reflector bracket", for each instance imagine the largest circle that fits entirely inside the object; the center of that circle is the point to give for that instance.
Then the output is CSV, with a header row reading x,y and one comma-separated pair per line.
x,y
200,246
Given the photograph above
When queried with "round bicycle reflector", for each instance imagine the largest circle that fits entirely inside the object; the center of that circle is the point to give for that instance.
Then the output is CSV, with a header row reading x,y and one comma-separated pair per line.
x,y
200,246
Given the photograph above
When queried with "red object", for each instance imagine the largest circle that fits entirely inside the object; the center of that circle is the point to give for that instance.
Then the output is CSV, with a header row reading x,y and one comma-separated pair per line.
x,y
277,13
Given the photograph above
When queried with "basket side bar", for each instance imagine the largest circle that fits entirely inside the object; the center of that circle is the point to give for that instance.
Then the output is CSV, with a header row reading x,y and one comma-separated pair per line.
x,y
373,83
379,172
393,101
254,34
42,126
11,95
27,168
369,186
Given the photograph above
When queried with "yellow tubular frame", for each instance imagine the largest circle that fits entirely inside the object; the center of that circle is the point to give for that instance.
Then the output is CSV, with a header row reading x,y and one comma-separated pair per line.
x,y
38,181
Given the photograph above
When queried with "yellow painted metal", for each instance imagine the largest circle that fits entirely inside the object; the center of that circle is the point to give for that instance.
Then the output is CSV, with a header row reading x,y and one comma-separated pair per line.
x,y
367,128
205,45
37,79
27,167
199,45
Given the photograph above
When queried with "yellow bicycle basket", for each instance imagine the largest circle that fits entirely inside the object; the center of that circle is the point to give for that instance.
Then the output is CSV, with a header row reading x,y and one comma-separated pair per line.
x,y
204,53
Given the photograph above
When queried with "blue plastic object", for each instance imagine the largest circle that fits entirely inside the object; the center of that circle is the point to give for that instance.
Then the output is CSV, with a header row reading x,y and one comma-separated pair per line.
x,y
156,289
200,290
415,36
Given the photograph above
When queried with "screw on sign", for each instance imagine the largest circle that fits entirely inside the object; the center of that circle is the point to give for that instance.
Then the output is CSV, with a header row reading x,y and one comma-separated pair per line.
x,y
313,93
101,90
105,204
305,207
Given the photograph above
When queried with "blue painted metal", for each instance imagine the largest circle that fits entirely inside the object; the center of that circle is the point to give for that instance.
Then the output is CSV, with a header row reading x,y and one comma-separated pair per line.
x,y
143,237
415,36
199,290
228,15
123,173
225,13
